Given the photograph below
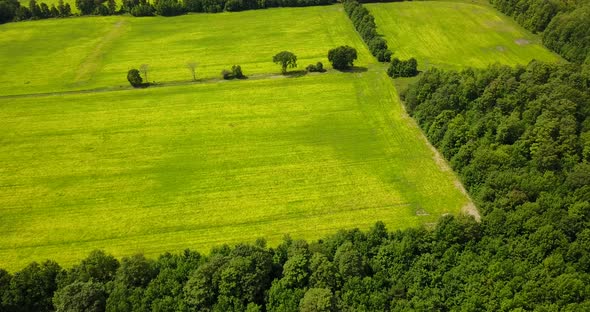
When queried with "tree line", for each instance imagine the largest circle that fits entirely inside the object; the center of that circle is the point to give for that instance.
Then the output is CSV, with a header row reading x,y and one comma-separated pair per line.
x,y
520,140
565,24
13,11
364,22
341,58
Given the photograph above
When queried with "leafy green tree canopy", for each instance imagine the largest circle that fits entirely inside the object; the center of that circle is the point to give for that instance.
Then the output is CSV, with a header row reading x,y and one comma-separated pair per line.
x,y
285,59
342,57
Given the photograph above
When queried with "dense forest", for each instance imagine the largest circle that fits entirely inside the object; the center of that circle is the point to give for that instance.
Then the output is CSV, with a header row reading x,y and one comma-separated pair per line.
x,y
520,140
565,24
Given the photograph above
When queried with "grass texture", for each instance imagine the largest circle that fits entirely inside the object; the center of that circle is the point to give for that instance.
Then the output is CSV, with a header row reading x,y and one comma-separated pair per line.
x,y
96,52
453,35
195,166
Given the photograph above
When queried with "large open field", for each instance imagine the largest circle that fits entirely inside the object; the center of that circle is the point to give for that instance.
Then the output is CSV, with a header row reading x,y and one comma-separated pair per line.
x,y
194,165
96,52
453,35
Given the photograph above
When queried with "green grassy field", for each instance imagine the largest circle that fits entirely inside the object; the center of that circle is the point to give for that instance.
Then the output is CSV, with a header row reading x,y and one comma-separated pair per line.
x,y
453,35
195,166
94,52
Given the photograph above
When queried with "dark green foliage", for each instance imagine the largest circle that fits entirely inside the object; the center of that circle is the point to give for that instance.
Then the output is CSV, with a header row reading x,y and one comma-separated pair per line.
x,y
168,8
569,35
364,23
22,14
317,300
11,10
514,136
534,15
399,68
286,59
8,10
102,10
565,24
234,73
87,7
31,289
98,267
80,297
342,57
64,9
136,271
318,67
134,78
142,10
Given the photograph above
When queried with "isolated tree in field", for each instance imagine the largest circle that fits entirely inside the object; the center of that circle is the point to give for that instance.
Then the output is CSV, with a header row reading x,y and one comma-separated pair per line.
x,y
285,59
342,57
144,68
192,66
134,78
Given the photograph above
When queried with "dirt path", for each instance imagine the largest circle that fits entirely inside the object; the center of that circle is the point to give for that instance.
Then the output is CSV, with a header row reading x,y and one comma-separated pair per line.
x,y
91,64
160,85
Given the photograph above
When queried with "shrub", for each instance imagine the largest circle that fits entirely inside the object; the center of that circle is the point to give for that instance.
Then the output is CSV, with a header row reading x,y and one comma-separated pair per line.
x,y
399,68
237,71
134,78
318,67
234,73
226,74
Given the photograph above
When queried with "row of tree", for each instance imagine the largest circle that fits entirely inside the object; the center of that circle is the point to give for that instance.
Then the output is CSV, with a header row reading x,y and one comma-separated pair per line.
x,y
364,22
342,58
565,24
12,10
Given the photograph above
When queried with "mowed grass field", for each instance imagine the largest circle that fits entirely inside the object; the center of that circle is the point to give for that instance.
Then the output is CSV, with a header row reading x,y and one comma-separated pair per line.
x,y
96,52
454,35
196,166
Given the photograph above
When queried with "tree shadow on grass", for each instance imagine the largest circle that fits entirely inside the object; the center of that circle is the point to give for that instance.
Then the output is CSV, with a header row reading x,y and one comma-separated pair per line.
x,y
354,69
295,73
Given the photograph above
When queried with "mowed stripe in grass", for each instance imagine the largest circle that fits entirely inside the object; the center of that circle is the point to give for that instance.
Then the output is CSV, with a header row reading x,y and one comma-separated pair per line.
x,y
455,35
96,52
195,166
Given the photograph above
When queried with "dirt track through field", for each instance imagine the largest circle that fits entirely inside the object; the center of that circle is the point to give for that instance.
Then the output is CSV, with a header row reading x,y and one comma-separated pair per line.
x,y
92,62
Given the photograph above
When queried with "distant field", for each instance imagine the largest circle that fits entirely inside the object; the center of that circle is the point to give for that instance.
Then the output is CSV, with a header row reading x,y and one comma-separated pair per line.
x,y
196,166
455,35
91,52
